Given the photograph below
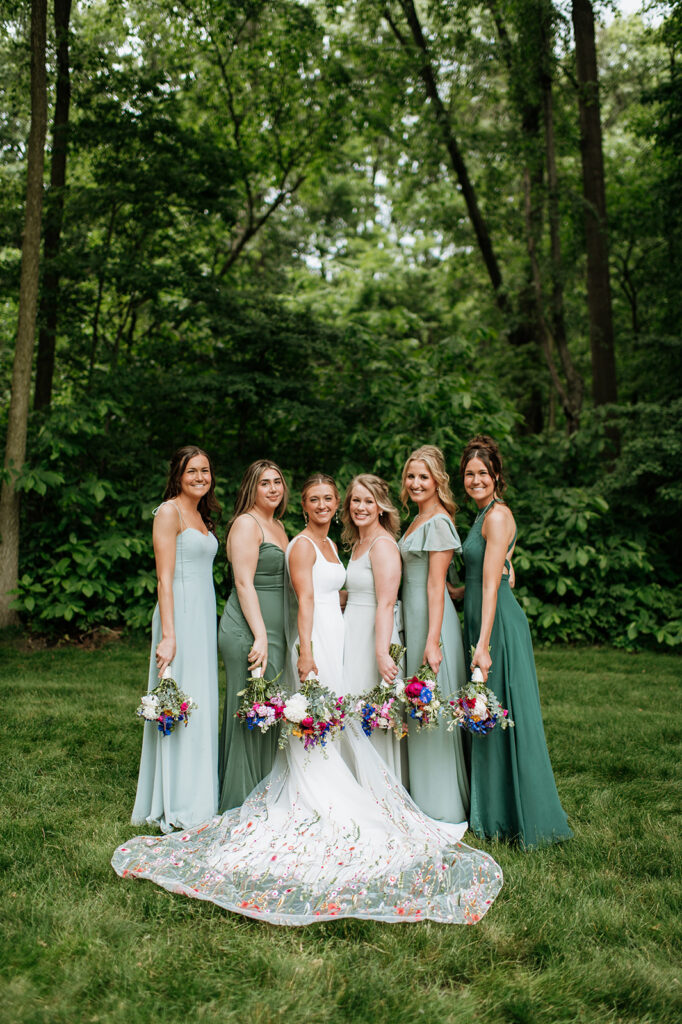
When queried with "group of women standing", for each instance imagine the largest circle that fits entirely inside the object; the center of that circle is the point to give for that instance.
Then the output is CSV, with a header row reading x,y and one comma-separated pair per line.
x,y
292,837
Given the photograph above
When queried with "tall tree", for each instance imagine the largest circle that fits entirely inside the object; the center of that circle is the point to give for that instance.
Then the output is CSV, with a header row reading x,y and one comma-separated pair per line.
x,y
604,388
54,212
15,449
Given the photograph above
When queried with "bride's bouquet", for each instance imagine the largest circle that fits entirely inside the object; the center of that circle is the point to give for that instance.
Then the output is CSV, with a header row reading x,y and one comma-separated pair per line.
x,y
476,708
382,707
423,698
166,705
313,714
262,703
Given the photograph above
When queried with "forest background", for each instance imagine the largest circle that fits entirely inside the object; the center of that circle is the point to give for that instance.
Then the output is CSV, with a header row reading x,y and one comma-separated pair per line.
x,y
324,233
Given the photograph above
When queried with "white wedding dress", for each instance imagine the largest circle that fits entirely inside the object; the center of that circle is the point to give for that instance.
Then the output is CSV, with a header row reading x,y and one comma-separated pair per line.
x,y
329,833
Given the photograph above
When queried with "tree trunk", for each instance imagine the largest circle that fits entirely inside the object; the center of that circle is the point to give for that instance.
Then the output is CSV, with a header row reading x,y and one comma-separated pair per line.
x,y
598,282
428,77
54,212
15,451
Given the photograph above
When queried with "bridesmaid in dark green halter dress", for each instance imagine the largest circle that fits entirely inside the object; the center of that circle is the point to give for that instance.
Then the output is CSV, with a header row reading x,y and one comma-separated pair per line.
x,y
252,633
513,793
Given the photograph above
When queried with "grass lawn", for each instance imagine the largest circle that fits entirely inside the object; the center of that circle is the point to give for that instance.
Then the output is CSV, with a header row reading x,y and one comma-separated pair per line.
x,y
587,931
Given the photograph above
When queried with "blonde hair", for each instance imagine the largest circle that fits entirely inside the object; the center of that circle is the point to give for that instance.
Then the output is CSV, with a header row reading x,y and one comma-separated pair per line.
x,y
388,513
435,463
319,478
246,496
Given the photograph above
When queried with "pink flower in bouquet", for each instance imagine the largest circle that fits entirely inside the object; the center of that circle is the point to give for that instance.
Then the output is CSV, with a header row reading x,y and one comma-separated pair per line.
x,y
414,688
308,722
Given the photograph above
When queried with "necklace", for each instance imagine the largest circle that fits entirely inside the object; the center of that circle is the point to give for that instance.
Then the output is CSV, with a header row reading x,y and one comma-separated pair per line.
x,y
426,512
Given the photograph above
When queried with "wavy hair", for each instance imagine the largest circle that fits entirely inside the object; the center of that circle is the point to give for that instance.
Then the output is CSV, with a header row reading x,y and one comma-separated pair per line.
x,y
388,513
435,463
209,507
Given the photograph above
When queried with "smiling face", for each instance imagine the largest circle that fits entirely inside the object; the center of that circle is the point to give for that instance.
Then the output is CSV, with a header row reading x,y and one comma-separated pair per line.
x,y
320,503
478,482
195,481
269,491
364,511
419,483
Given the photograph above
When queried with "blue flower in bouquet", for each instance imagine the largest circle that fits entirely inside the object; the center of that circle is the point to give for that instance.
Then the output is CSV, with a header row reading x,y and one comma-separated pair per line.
x,y
426,696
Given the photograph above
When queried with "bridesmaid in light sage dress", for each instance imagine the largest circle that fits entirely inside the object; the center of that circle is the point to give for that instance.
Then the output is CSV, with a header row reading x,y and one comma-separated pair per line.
x,y
513,793
178,782
438,778
370,526
252,632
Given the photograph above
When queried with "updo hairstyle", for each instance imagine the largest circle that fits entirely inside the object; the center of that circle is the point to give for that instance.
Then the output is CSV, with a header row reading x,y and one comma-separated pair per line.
x,y
319,478
388,514
435,463
485,448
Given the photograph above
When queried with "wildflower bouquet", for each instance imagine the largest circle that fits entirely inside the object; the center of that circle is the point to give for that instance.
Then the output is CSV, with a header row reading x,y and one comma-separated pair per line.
x,y
262,703
313,714
166,704
382,707
476,708
423,698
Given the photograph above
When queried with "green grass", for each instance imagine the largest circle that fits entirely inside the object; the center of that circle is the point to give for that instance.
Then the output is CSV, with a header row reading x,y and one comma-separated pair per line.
x,y
587,931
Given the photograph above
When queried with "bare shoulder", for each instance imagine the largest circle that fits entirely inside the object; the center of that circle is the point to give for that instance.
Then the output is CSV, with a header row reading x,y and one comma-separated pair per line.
x,y
245,528
499,522
166,518
302,551
384,550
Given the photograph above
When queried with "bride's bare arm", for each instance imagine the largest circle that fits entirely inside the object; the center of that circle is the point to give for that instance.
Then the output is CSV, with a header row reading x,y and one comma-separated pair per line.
x,y
301,563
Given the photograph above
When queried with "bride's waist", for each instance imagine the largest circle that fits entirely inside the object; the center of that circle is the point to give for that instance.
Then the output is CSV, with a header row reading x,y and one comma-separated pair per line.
x,y
361,600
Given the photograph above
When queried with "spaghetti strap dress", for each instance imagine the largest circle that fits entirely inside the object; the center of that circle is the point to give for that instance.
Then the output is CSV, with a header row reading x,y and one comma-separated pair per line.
x,y
360,670
246,756
177,785
438,778
513,792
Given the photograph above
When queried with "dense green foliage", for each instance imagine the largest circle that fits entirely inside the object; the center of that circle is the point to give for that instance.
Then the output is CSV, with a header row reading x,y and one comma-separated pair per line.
x,y
266,250
586,931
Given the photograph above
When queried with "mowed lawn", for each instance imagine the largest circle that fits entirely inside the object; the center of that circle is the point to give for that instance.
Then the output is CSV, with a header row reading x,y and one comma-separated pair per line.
x,y
587,931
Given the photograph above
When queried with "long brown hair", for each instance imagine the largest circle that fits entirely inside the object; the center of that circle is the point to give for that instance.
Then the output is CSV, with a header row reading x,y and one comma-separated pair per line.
x,y
485,448
388,513
209,507
435,463
246,496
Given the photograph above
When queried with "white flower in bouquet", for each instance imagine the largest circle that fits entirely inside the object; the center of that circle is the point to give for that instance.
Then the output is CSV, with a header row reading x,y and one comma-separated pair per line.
x,y
399,687
296,708
435,704
480,708
150,708
382,722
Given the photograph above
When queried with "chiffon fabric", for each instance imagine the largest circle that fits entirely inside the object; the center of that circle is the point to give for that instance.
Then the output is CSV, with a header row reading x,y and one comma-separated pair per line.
x,y
438,777
177,786
360,670
513,793
329,833
246,756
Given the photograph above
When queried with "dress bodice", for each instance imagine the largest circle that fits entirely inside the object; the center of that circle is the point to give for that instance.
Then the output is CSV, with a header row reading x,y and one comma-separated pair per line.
x,y
328,577
473,550
194,554
360,582
436,534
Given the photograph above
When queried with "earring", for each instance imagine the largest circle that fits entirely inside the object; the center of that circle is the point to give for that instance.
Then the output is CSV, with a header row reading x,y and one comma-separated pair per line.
x,y
336,516
305,517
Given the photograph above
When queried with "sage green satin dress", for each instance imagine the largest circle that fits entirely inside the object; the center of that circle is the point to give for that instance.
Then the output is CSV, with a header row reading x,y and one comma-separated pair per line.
x,y
437,771
513,793
246,756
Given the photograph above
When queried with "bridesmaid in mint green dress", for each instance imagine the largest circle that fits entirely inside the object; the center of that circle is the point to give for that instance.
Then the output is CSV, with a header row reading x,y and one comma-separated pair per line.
x,y
513,793
437,771
252,628
178,781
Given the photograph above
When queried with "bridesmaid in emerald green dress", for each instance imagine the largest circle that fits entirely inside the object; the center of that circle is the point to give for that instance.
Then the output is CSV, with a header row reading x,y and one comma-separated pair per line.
x,y
437,771
252,633
513,793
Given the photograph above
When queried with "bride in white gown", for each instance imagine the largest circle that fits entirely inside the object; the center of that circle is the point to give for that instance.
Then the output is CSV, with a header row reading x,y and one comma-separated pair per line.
x,y
330,832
